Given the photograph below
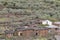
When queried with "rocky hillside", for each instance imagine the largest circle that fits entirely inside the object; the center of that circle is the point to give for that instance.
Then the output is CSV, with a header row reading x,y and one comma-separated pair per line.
x,y
16,12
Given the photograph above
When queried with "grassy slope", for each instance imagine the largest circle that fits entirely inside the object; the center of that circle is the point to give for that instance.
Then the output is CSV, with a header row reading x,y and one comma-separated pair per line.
x,y
47,9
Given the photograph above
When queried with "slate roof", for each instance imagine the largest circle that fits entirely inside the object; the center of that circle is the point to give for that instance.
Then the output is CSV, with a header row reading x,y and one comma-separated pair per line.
x,y
9,31
40,28
52,26
30,28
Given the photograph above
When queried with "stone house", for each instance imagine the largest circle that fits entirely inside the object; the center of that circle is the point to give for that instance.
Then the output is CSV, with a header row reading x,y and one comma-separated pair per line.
x,y
30,32
9,33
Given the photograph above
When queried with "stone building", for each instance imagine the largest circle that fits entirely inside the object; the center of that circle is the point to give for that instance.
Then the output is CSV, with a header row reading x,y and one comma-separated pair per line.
x,y
9,33
31,32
